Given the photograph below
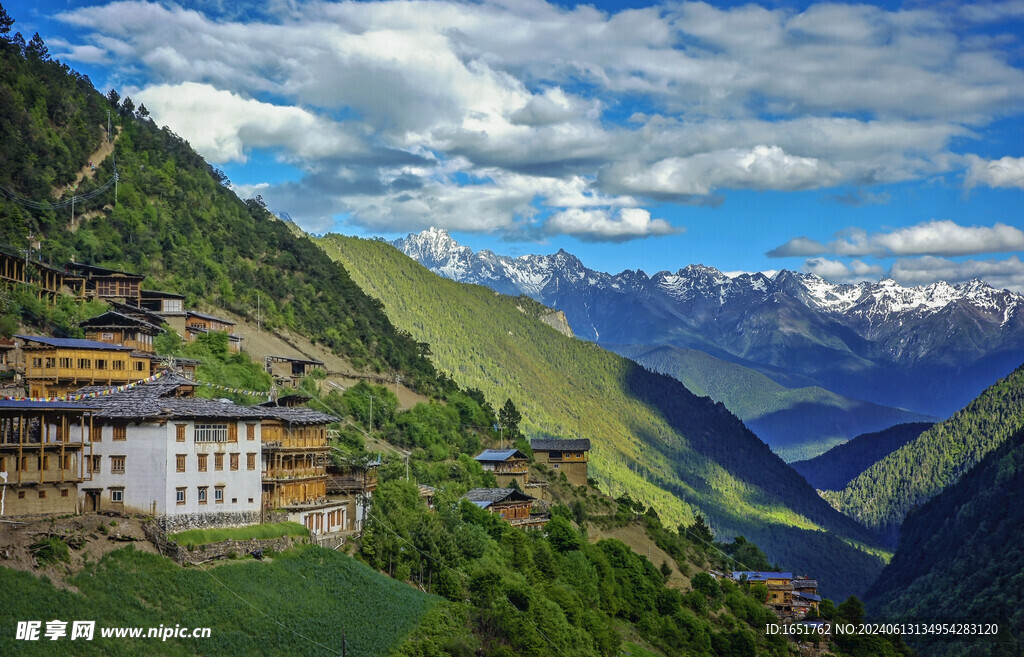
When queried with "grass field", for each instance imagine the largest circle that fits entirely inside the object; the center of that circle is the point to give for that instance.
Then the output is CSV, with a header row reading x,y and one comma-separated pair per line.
x,y
195,537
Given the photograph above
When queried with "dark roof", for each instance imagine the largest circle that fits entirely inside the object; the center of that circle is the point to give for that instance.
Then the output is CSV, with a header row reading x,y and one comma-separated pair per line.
x,y
79,267
300,415
287,400
759,576
135,311
560,445
113,318
807,596
73,343
205,316
499,455
484,497
28,404
290,359
157,294
805,583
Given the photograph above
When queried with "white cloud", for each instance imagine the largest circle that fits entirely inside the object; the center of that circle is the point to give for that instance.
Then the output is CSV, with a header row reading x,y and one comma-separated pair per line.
x,y
524,91
942,238
222,125
840,272
604,226
1001,274
1004,172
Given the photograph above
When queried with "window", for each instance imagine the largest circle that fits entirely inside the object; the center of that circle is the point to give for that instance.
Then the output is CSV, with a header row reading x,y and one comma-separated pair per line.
x,y
65,363
202,494
250,461
106,336
139,365
42,494
250,432
117,495
101,363
117,464
218,461
120,432
84,363
95,466
37,362
179,464
218,494
117,365
179,432
234,500
64,492
172,305
21,494
201,458
232,433
250,500
51,362
179,495
96,433
211,433
234,461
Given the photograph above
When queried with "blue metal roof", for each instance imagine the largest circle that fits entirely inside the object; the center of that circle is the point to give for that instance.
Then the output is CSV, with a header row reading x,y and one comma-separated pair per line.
x,y
498,454
807,596
30,404
73,343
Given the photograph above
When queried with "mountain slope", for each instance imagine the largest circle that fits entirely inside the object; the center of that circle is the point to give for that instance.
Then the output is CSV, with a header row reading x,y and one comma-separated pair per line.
x,y
840,465
961,555
652,438
930,349
882,495
796,422
173,220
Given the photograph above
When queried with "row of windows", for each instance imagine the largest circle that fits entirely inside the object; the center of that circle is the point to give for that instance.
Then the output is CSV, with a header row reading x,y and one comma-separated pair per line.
x,y
64,492
205,433
202,461
87,364
203,495
116,464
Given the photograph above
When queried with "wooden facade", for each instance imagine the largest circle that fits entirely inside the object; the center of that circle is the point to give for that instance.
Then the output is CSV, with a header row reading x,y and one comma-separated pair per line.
x,y
564,456
510,505
162,302
288,370
295,463
55,367
102,283
198,323
52,281
43,448
505,465
116,328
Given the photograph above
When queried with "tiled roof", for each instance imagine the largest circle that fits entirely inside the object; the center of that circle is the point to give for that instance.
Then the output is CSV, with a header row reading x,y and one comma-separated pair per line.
x,y
210,317
79,267
114,318
299,415
495,495
560,445
73,343
499,455
158,294
760,576
28,404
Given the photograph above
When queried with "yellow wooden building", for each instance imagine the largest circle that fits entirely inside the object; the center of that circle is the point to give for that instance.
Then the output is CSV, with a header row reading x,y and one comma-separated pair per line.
x,y
505,465
564,456
55,367
43,448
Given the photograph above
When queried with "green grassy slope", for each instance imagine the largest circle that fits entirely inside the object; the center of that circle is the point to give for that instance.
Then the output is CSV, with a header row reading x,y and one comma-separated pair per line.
x,y
961,556
252,608
837,467
798,423
883,494
652,438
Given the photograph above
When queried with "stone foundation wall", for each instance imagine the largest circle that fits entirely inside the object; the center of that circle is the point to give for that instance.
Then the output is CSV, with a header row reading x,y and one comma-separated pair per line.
x,y
222,550
183,522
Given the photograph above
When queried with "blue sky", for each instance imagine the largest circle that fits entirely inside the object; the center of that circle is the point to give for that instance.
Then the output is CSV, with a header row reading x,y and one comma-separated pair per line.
x,y
855,141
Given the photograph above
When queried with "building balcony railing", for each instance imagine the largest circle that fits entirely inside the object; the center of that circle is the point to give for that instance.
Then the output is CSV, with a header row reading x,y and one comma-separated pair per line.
x,y
293,475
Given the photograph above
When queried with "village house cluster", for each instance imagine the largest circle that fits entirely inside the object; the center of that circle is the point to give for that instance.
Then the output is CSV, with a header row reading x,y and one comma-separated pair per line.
x,y
107,427
788,596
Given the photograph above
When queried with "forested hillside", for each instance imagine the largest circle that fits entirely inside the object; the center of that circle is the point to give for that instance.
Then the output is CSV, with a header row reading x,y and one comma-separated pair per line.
x,y
881,496
652,437
174,219
961,556
798,423
834,469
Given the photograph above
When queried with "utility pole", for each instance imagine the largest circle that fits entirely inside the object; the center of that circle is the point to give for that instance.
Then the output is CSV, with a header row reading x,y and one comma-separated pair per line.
x,y
257,312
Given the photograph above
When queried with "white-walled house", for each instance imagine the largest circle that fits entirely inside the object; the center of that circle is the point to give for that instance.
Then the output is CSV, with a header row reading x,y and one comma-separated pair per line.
x,y
186,461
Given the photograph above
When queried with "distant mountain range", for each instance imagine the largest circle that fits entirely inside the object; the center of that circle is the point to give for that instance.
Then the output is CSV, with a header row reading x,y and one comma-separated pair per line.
x,y
928,349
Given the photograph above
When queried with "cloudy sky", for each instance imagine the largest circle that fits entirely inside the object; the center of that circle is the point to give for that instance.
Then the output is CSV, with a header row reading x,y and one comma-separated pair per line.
x,y
852,140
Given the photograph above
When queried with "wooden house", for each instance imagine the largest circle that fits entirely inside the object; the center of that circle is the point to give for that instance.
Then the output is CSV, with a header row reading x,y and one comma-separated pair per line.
x,y
56,367
506,465
512,506
113,327
566,456
103,283
191,324
353,485
162,303
295,456
43,448
52,281
288,370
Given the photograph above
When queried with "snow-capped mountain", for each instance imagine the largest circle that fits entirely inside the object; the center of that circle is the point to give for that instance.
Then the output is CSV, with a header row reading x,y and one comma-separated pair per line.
x,y
928,348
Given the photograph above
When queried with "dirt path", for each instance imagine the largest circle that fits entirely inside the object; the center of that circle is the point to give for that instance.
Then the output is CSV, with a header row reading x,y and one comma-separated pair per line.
x,y
88,169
